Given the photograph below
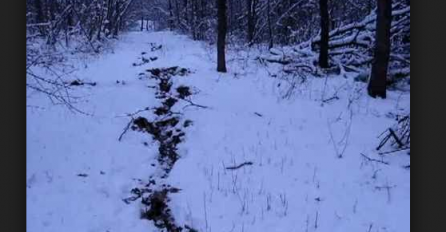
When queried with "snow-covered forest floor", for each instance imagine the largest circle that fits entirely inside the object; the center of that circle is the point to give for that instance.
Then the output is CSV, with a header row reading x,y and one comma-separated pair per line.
x,y
310,158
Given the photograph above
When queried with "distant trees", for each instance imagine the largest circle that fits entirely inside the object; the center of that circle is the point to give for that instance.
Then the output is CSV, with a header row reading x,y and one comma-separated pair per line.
x,y
221,40
378,78
91,19
342,35
77,25
277,22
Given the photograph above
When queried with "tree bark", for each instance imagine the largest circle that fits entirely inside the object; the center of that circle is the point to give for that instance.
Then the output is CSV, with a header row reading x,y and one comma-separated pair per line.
x,y
40,16
170,20
142,23
221,38
377,84
251,20
325,23
117,19
270,29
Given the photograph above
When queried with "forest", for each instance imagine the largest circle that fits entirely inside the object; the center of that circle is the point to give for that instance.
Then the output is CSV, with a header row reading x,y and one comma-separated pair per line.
x,y
218,115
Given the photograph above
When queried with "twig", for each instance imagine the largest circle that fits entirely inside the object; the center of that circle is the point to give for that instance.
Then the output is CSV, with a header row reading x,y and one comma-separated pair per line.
x,y
383,142
387,187
193,104
332,139
370,227
315,221
139,111
205,212
307,222
125,129
258,114
389,152
374,160
239,166
400,144
330,99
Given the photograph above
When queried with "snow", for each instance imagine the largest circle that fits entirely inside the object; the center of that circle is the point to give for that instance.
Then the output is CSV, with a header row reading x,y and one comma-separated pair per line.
x,y
297,182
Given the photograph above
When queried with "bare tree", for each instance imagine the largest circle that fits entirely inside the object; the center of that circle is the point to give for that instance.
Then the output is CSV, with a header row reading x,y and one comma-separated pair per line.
x,y
270,28
378,78
251,4
325,22
221,38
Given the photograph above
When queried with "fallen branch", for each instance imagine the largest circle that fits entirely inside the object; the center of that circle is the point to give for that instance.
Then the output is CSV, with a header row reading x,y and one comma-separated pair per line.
x,y
193,104
389,152
374,160
258,114
239,166
125,129
330,99
400,144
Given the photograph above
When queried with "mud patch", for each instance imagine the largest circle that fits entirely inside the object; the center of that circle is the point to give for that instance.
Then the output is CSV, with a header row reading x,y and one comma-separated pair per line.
x,y
78,82
158,211
155,47
143,60
183,92
167,131
166,73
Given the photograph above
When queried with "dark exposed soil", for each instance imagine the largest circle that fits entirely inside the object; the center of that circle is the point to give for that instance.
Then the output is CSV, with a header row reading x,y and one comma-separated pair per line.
x,y
166,132
155,47
183,92
144,60
80,83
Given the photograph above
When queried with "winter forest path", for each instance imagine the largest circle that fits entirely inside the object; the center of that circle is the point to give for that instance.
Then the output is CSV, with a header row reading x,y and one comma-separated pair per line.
x,y
78,173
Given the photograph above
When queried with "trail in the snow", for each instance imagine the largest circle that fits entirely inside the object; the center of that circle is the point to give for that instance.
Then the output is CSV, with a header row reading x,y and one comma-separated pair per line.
x,y
187,167
167,129
77,170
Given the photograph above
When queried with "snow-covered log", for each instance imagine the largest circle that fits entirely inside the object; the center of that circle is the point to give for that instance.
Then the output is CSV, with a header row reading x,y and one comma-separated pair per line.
x,y
351,47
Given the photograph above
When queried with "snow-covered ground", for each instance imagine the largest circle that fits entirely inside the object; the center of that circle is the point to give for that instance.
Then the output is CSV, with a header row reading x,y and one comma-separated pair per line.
x,y
78,172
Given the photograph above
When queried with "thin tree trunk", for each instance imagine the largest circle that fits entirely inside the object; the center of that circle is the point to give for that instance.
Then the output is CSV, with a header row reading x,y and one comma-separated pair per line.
x,y
40,16
170,20
221,39
117,19
270,29
378,78
100,20
109,18
142,23
177,12
250,21
325,23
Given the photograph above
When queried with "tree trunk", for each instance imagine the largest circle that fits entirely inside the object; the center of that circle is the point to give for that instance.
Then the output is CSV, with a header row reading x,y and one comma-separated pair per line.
x,y
142,23
378,78
177,12
221,39
40,16
270,29
325,22
170,20
117,19
251,21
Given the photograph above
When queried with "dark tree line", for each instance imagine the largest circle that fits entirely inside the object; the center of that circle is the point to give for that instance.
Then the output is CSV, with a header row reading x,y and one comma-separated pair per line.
x,y
285,22
341,33
60,20
72,25
333,27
